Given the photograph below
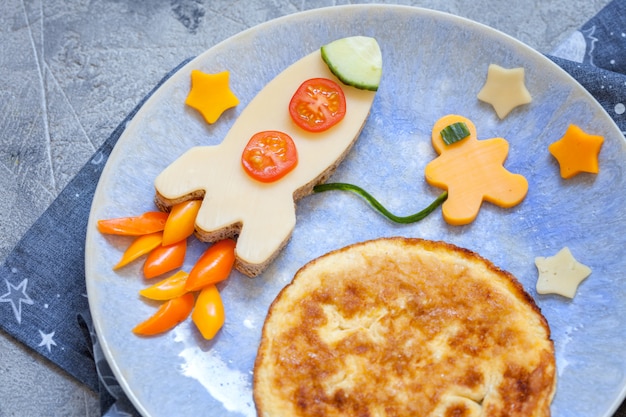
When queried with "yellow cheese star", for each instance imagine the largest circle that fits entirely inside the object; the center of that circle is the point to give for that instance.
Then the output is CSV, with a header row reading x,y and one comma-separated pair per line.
x,y
210,94
560,274
504,89
577,152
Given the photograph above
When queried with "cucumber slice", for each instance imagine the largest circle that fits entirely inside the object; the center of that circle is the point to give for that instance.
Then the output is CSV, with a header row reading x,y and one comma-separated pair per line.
x,y
356,61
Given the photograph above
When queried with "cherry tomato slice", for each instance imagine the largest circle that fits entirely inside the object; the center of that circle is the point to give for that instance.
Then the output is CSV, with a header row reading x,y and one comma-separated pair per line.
x,y
269,156
318,104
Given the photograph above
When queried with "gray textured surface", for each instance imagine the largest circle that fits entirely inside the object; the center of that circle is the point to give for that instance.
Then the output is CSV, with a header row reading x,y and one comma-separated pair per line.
x,y
71,70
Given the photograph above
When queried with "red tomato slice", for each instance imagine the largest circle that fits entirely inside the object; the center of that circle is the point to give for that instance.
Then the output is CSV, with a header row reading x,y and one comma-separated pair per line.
x,y
269,156
318,104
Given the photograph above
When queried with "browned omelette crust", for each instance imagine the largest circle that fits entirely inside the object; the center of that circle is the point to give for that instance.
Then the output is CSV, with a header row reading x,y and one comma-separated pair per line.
x,y
404,327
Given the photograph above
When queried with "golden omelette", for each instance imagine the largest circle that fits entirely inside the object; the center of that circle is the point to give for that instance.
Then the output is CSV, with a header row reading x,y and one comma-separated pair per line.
x,y
404,327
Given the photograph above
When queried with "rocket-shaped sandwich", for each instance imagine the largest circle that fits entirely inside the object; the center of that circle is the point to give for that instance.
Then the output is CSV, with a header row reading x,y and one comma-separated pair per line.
x,y
257,209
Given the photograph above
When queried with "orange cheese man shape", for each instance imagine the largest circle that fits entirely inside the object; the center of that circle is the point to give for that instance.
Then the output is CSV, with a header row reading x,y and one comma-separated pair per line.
x,y
262,214
472,171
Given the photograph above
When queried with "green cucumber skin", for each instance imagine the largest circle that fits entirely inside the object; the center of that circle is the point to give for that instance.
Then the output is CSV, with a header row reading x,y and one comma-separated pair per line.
x,y
346,81
358,79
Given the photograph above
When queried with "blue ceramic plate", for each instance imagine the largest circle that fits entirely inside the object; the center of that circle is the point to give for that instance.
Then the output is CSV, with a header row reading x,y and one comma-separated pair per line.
x,y
434,64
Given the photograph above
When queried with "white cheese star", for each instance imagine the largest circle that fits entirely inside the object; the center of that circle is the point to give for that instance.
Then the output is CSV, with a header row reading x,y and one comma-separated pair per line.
x,y
560,274
504,89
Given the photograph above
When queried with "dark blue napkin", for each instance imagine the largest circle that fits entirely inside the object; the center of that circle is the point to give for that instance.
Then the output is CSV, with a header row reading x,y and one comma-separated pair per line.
x,y
595,56
45,305
45,302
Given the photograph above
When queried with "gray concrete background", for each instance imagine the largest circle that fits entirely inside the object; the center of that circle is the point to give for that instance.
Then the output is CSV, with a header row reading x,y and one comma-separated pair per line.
x,y
71,70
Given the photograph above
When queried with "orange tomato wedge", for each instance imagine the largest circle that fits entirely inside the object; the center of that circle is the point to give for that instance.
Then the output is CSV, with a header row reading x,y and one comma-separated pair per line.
x,y
208,313
140,246
165,259
149,222
168,288
181,222
167,316
214,265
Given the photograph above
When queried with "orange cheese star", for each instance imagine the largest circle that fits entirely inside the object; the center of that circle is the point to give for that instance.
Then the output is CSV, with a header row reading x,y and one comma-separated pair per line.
x,y
504,89
210,94
577,152
472,171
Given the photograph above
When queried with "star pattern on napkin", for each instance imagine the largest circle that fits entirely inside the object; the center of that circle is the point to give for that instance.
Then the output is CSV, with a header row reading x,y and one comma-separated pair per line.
x,y
577,151
560,274
504,89
16,296
210,94
46,340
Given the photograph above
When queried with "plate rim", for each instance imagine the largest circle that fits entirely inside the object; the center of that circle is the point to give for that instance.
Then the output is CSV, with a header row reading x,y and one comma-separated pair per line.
x,y
224,44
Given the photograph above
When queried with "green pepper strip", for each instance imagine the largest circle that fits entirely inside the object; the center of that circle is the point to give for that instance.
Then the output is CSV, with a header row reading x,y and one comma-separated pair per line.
x,y
379,207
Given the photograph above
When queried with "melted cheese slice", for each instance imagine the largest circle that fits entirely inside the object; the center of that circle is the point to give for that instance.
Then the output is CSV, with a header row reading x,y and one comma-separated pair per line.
x,y
264,213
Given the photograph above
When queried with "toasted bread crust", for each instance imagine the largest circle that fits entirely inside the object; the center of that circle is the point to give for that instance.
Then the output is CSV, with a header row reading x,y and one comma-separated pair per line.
x,y
404,327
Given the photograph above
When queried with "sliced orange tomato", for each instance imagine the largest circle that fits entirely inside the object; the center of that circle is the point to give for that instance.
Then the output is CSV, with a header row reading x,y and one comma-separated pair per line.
x,y
167,316
141,246
213,266
269,156
208,313
318,104
181,222
146,223
168,288
164,259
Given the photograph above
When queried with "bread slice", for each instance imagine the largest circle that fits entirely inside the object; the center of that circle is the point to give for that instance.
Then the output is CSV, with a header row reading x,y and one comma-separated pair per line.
x,y
262,216
233,230
404,327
